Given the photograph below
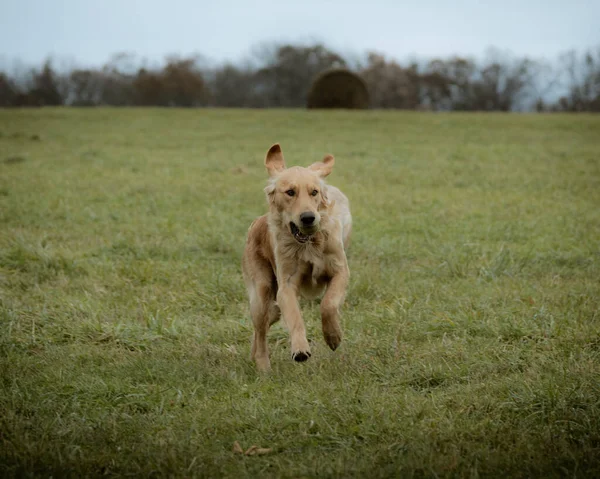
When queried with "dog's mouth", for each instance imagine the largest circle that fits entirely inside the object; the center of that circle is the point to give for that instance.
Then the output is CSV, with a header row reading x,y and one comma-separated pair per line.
x,y
298,235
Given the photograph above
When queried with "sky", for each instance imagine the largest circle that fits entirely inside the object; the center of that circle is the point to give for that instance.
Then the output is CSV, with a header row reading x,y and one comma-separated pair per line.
x,y
88,32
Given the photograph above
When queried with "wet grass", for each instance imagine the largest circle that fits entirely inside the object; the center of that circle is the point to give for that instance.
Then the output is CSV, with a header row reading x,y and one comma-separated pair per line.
x,y
472,323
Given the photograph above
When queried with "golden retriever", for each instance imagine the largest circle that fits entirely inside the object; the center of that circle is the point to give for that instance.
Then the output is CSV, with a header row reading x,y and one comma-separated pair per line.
x,y
297,249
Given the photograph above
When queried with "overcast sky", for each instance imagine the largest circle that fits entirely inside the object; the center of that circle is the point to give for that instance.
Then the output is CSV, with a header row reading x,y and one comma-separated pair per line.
x,y
89,32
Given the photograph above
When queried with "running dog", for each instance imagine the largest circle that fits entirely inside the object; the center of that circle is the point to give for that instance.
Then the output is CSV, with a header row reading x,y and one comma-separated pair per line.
x,y
297,249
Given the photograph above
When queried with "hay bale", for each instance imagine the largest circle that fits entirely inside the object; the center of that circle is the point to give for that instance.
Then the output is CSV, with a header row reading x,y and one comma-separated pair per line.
x,y
338,89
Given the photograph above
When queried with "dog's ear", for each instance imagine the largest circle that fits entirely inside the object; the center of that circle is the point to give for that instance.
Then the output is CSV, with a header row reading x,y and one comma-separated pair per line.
x,y
274,160
325,203
270,191
323,168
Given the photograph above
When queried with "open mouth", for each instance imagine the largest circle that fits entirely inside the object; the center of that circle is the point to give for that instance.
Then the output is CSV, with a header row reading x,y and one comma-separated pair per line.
x,y
298,235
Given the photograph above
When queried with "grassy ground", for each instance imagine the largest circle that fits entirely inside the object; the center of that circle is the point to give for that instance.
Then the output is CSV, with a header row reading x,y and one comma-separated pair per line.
x,y
472,323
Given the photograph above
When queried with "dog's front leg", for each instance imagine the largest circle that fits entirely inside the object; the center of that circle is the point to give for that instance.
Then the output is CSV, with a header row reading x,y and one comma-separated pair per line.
x,y
287,299
330,306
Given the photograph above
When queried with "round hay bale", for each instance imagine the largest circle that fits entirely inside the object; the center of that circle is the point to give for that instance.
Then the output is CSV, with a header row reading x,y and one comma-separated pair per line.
x,y
338,89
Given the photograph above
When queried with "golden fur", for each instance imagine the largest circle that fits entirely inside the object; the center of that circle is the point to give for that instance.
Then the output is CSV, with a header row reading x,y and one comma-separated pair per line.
x,y
297,249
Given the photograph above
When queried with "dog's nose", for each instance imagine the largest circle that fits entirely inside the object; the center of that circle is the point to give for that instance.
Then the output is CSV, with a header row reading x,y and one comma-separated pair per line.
x,y
307,218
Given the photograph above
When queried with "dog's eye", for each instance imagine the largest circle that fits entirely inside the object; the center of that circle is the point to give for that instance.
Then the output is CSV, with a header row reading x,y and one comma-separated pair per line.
x,y
314,192
290,192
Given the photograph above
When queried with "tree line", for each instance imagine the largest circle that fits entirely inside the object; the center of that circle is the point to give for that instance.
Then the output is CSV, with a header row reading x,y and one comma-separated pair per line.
x,y
281,76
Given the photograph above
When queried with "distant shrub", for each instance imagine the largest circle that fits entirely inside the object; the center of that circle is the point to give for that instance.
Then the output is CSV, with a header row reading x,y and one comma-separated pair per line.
x,y
338,89
8,90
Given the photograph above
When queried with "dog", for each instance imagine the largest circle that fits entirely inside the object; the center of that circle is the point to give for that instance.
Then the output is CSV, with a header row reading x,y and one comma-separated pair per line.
x,y
297,249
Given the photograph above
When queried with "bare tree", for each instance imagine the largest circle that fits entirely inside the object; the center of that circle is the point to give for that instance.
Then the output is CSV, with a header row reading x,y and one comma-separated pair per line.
x,y
582,80
233,86
390,85
503,82
286,77
8,91
183,83
43,88
117,80
86,88
179,83
454,78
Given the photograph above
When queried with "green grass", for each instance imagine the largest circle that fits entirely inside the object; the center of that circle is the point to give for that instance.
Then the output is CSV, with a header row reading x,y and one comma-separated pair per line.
x,y
472,323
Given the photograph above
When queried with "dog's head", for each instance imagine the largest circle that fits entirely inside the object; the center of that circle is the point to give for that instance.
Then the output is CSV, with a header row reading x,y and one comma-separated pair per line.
x,y
298,195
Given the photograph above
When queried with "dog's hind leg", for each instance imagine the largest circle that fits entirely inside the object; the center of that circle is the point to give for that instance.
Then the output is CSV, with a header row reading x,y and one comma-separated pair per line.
x,y
264,312
274,312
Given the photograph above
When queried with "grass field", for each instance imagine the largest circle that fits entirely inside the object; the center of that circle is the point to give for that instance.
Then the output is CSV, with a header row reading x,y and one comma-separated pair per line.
x,y
472,321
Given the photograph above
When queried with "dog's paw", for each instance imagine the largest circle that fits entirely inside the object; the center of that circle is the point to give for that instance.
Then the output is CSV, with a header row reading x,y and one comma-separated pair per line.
x,y
300,348
333,336
300,356
333,340
263,364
